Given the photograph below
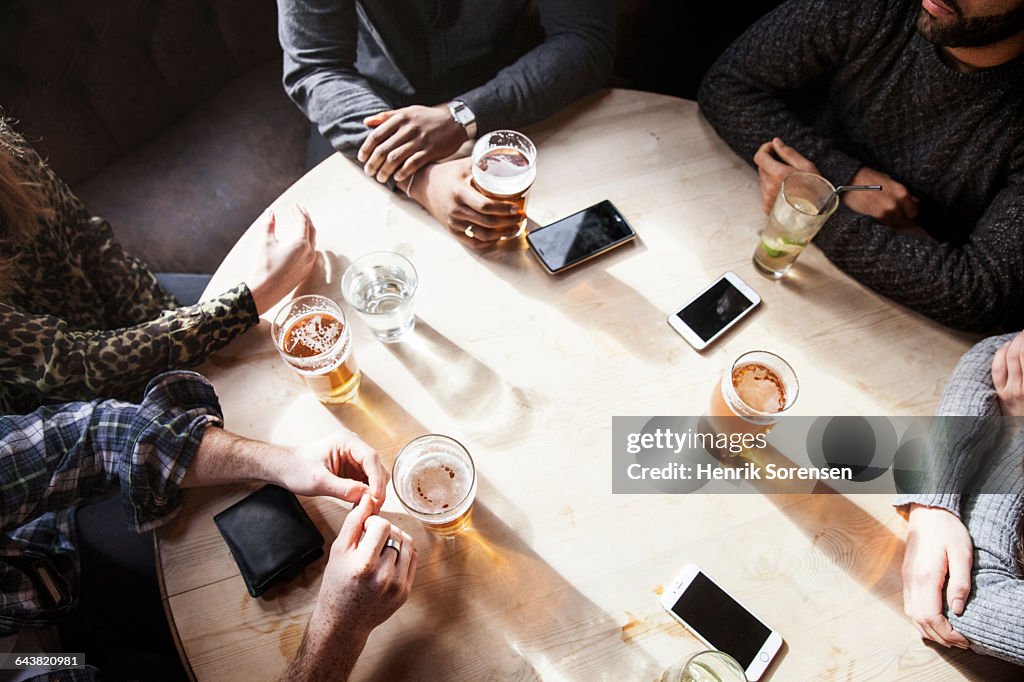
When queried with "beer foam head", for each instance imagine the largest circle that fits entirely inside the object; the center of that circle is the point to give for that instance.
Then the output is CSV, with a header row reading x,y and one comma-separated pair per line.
x,y
435,479
317,332
759,388
504,171
437,483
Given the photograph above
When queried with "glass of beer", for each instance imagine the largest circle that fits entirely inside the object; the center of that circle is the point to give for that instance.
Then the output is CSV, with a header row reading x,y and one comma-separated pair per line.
x,y
504,167
752,395
802,206
312,336
435,479
706,666
381,286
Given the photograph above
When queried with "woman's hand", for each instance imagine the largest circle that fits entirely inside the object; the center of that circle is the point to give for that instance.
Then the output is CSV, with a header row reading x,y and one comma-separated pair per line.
x,y
1008,376
938,545
282,264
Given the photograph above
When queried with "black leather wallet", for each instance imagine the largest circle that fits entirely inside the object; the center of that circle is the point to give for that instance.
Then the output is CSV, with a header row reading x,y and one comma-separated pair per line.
x,y
270,536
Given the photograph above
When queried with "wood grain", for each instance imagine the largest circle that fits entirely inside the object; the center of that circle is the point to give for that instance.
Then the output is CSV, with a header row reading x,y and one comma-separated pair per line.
x,y
559,579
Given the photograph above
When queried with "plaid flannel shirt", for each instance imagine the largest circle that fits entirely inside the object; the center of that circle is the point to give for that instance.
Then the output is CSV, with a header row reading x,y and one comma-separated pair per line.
x,y
59,457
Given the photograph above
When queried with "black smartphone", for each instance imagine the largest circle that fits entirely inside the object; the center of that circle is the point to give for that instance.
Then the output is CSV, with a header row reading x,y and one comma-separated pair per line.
x,y
570,241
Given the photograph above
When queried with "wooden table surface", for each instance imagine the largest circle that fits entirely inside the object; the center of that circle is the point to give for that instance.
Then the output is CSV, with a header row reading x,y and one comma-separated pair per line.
x,y
559,579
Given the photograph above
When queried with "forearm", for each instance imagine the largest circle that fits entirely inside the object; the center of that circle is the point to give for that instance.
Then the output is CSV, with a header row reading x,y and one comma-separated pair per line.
x,y
976,286
992,621
575,59
964,432
319,41
58,457
65,364
325,655
223,457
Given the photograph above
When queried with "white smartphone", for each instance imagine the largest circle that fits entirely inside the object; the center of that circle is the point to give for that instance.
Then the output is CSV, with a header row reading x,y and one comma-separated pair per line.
x,y
713,311
721,622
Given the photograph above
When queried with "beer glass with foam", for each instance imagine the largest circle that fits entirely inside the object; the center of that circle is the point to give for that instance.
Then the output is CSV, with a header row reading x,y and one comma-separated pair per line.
x,y
504,168
313,338
752,395
435,479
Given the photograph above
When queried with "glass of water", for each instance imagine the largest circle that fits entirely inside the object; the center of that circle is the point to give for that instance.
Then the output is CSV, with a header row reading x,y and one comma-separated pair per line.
x,y
381,286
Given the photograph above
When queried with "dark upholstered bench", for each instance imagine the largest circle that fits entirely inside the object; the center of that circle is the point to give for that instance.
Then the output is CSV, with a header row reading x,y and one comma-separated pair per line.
x,y
167,118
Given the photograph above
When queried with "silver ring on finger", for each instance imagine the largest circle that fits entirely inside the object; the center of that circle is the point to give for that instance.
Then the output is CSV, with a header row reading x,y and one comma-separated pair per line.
x,y
469,232
391,543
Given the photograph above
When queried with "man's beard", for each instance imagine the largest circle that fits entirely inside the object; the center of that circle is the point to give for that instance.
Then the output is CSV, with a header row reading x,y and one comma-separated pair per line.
x,y
970,32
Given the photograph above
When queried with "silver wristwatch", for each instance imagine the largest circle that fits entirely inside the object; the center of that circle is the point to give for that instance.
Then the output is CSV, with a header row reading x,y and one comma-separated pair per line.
x,y
464,117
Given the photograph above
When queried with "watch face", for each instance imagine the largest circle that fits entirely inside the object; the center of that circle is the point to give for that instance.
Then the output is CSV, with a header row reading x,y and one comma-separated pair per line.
x,y
461,113
464,117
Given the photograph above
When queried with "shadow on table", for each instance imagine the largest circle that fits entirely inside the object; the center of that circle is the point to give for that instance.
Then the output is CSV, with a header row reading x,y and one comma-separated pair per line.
x,y
494,409
976,666
821,290
485,604
583,293
325,279
865,549
378,419
432,359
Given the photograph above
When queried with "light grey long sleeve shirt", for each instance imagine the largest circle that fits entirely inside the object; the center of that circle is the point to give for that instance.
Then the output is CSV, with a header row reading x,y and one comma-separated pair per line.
x,y
993,619
345,60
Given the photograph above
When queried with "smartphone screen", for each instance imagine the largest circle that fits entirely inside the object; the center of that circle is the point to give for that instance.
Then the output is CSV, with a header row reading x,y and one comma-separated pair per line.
x,y
713,310
572,240
720,620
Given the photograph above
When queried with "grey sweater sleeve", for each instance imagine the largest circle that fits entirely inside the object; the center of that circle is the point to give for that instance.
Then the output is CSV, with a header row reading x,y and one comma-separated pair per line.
x,y
743,95
575,59
319,39
992,621
957,446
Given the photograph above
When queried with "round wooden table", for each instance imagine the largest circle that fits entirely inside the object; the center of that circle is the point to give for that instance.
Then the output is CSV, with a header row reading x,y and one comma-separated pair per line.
x,y
559,579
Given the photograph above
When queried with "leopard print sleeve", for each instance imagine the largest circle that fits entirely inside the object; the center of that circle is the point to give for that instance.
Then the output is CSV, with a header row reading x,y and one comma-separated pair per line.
x,y
47,361
124,286
124,283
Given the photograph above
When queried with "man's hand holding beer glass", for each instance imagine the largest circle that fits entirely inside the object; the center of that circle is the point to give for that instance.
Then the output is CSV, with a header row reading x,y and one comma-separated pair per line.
x,y
446,190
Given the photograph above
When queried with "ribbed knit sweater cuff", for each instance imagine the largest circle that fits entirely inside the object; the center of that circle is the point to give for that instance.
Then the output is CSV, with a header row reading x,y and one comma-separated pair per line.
x,y
948,501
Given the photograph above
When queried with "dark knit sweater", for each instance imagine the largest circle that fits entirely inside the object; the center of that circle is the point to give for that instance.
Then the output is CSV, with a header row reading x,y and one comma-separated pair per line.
x,y
873,92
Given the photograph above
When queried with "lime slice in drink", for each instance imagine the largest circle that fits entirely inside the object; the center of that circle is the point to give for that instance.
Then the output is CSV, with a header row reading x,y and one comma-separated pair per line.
x,y
772,253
